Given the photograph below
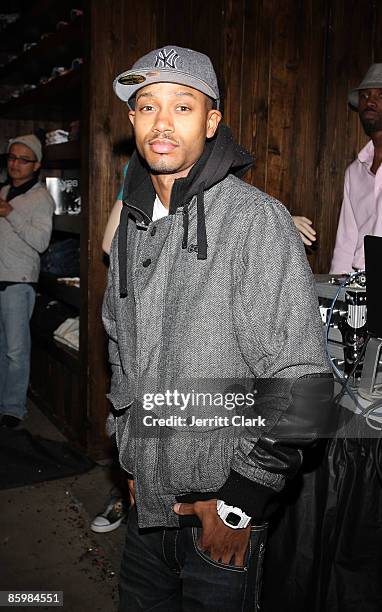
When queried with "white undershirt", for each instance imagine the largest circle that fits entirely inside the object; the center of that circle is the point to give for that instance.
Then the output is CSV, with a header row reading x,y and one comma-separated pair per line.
x,y
159,210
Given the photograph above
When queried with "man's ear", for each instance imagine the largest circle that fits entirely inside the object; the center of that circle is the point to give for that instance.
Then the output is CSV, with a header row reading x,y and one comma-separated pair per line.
x,y
213,119
36,166
132,117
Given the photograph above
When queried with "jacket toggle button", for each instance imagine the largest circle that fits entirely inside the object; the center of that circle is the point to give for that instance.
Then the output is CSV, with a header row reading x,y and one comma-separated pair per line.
x,y
146,263
153,231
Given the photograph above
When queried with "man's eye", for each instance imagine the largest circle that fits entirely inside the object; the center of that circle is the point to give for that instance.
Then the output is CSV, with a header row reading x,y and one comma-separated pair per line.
x,y
183,108
147,107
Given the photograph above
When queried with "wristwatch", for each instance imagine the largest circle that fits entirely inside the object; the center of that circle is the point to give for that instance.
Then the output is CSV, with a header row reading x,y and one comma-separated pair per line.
x,y
231,516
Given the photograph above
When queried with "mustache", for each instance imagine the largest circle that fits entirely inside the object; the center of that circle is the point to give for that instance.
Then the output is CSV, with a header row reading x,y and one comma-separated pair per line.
x,y
369,110
162,137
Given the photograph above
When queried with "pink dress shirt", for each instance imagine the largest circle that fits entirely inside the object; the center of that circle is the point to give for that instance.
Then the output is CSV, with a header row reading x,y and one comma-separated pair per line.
x,y
361,212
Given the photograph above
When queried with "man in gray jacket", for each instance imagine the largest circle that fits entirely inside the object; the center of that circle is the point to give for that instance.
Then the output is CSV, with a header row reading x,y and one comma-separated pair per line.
x,y
219,373
26,210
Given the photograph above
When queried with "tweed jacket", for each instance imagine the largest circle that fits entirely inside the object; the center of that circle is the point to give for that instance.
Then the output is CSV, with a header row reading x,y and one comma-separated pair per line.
x,y
247,312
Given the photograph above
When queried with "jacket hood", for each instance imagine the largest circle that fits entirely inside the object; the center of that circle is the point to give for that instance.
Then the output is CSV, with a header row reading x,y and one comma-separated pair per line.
x,y
221,156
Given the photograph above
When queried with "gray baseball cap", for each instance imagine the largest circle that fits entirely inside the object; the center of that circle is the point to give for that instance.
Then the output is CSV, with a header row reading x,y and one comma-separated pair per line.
x,y
170,64
31,141
371,80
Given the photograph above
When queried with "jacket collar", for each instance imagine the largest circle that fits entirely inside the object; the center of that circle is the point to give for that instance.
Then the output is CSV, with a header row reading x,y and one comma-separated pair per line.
x,y
13,192
221,156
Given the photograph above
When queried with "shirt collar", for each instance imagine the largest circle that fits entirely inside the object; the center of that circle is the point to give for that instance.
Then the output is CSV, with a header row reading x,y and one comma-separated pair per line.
x,y
366,155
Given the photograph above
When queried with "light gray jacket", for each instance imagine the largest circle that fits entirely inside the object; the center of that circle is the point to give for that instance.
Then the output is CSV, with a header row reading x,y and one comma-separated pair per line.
x,y
24,234
248,311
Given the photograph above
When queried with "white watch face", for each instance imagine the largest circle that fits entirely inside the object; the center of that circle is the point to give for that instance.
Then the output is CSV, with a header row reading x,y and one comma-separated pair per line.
x,y
231,516
233,519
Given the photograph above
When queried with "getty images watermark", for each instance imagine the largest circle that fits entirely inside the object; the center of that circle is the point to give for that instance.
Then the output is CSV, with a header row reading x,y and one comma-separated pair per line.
x,y
300,408
193,403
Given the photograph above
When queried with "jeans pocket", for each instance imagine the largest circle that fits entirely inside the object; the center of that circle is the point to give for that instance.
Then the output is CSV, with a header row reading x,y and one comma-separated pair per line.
x,y
196,532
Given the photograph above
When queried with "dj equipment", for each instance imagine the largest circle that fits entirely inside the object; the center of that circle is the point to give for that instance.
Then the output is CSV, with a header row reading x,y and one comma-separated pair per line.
x,y
351,324
348,326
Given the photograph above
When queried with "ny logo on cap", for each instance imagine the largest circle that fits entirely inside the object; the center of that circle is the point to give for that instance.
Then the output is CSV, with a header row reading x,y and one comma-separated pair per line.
x,y
166,59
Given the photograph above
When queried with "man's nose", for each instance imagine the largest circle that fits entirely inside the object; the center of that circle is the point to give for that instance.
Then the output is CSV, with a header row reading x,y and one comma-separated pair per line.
x,y
163,122
372,99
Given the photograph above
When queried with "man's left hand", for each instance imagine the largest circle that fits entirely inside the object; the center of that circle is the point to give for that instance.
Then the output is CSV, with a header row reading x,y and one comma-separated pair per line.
x,y
223,544
5,208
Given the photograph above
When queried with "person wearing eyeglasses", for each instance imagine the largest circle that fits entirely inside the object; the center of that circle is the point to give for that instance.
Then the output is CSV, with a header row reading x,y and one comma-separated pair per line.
x,y
26,210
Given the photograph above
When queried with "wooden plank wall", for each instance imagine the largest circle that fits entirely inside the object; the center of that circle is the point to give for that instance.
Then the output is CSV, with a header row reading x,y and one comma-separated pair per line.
x,y
117,33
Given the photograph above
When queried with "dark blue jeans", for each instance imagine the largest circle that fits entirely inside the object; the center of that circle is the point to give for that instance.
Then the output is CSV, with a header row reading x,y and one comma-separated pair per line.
x,y
16,307
164,570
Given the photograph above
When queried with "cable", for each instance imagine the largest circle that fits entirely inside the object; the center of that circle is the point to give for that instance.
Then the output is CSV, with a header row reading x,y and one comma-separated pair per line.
x,y
344,382
353,370
368,411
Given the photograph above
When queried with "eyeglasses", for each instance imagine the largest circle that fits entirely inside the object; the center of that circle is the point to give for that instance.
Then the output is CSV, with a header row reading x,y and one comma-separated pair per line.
x,y
23,160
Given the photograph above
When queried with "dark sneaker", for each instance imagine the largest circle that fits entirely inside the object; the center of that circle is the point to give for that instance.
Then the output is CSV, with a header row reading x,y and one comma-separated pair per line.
x,y
111,517
9,421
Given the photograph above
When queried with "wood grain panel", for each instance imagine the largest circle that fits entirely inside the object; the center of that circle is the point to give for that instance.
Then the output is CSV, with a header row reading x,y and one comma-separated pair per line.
x,y
195,26
117,35
257,41
377,33
284,60
174,26
231,65
294,101
348,55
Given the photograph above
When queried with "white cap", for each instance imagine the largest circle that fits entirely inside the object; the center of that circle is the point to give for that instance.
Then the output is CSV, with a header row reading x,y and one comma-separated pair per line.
x,y
31,141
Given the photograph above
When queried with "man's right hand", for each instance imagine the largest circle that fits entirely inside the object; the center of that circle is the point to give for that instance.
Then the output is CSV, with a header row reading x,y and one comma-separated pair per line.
x,y
222,543
5,208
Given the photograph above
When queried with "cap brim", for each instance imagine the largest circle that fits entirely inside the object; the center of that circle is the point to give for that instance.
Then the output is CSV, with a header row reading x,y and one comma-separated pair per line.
x,y
128,83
